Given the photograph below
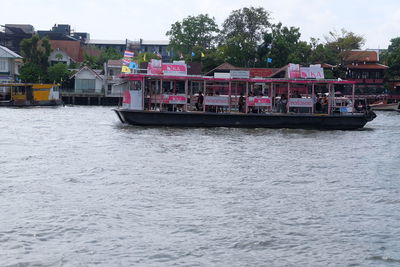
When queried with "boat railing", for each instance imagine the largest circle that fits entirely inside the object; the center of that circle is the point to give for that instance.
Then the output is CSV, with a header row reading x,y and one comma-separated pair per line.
x,y
253,104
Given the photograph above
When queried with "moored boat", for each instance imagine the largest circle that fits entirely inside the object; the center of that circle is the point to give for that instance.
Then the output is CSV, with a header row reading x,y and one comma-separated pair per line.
x,y
385,106
244,102
30,94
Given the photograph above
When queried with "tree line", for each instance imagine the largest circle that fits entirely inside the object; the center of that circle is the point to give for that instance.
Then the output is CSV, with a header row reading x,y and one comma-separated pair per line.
x,y
248,38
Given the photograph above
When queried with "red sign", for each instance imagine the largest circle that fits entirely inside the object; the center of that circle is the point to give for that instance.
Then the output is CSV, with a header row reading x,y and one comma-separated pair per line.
x,y
174,99
174,69
259,102
261,72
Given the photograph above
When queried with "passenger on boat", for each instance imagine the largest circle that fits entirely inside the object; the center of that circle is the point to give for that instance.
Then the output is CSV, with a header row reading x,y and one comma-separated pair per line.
x,y
324,104
318,105
282,105
218,109
199,104
241,103
359,106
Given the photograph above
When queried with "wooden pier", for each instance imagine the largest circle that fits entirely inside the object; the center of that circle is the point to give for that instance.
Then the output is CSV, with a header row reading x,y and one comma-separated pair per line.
x,y
90,99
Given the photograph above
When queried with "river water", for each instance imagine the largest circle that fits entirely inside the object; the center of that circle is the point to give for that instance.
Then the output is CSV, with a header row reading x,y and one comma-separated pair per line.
x,y
77,188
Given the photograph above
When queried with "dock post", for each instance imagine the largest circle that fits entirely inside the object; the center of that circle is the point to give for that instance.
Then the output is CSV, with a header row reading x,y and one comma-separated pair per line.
x,y
313,97
230,95
247,97
353,97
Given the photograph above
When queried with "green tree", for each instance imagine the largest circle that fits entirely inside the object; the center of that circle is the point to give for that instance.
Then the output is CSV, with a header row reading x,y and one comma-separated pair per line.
x,y
198,32
320,53
242,33
58,73
37,51
31,73
392,59
239,52
145,57
95,57
92,61
212,59
301,53
59,56
341,44
110,53
283,46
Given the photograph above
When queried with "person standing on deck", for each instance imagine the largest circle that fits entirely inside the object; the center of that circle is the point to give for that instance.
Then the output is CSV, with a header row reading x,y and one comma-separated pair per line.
x,y
199,104
241,103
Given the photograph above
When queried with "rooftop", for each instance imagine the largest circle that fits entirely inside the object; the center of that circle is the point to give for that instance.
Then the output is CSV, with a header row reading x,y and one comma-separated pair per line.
x,y
362,56
155,42
7,53
373,66
107,42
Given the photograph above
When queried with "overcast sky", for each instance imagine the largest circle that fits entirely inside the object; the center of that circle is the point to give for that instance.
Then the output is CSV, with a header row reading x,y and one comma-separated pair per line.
x,y
377,21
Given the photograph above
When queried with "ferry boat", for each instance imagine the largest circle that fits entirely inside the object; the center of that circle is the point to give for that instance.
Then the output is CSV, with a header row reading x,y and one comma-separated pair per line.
x,y
203,101
29,94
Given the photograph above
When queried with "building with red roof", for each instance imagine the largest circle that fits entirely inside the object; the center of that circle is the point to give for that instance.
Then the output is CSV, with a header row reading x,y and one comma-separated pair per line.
x,y
364,68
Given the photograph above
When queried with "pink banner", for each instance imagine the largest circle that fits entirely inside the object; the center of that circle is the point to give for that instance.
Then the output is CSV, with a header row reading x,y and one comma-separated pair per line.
x,y
174,99
259,102
293,71
312,72
154,67
127,97
174,69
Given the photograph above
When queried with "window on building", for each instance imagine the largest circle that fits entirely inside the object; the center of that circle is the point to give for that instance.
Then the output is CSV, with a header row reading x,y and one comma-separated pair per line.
x,y
85,84
364,75
3,65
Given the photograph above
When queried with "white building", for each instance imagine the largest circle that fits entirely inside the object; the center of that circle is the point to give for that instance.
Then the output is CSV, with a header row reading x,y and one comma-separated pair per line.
x,y
10,62
88,80
59,56
114,85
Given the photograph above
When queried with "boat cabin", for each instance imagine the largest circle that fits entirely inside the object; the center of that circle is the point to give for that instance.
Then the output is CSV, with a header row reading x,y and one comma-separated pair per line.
x,y
30,94
236,95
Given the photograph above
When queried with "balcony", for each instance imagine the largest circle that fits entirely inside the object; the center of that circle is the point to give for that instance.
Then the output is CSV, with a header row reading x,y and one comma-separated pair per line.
x,y
368,81
81,92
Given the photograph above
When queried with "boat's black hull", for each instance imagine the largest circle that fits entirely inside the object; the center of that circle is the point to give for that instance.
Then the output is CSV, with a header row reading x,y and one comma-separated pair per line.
x,y
31,104
191,119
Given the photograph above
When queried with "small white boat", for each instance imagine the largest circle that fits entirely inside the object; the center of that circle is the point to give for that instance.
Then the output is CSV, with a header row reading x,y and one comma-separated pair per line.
x,y
384,106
